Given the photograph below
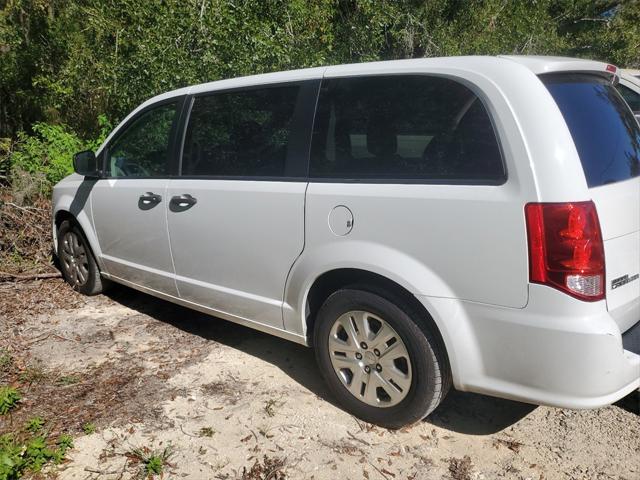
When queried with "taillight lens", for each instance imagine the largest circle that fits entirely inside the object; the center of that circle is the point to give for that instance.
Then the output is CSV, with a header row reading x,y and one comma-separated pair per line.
x,y
566,249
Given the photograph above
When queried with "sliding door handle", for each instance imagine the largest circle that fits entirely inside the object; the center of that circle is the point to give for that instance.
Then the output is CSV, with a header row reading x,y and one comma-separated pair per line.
x,y
148,200
182,202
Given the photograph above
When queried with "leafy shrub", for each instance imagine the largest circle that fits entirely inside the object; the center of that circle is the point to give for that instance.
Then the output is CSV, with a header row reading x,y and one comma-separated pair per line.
x,y
49,151
9,398
18,456
39,161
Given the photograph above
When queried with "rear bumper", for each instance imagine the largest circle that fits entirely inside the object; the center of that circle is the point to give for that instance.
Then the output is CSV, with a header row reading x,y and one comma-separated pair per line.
x,y
556,351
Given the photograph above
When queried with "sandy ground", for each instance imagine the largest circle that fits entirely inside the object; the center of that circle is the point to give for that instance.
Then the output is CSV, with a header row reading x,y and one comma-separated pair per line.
x,y
225,399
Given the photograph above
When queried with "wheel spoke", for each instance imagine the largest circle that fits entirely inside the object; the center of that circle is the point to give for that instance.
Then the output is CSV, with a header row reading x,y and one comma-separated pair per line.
x,y
356,382
394,394
340,362
362,323
82,273
370,393
338,345
382,336
347,322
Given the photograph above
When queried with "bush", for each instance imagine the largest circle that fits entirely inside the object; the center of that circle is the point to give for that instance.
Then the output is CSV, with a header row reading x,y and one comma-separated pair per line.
x,y
46,156
49,151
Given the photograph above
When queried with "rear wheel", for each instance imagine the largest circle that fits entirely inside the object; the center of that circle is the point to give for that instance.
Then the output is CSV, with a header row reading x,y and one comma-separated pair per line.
x,y
78,265
379,359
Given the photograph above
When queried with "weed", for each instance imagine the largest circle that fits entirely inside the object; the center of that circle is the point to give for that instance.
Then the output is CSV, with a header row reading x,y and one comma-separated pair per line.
x,y
33,374
9,398
18,456
460,468
270,407
34,425
152,462
268,469
207,432
68,380
6,360
89,428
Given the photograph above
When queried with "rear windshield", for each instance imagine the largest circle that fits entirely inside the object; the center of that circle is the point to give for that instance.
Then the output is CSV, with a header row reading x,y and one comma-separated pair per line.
x,y
604,130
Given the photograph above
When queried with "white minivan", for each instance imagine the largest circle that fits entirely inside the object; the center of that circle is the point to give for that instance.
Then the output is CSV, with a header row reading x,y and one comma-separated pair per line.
x,y
469,221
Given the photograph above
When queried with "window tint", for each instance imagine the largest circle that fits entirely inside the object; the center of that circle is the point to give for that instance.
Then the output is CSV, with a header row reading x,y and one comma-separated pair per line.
x,y
605,132
403,127
632,98
243,133
142,150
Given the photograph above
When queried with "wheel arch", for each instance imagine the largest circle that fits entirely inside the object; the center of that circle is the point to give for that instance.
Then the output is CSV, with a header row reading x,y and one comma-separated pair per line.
x,y
335,279
82,220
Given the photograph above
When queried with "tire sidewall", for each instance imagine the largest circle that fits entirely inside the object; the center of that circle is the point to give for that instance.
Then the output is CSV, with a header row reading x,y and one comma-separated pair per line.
x,y
424,363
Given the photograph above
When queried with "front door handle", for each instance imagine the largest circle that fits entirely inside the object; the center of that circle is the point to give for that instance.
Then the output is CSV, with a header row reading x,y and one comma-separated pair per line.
x,y
179,203
149,200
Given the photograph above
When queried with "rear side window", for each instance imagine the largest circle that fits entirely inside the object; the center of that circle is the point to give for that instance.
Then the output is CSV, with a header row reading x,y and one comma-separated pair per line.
x,y
240,133
410,127
632,98
605,132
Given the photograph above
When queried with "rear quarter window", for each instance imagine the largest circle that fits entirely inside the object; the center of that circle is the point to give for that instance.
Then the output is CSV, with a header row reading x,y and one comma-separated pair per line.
x,y
410,128
604,130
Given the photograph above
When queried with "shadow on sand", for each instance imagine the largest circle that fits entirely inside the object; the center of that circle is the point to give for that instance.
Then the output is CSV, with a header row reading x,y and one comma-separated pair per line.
x,y
461,412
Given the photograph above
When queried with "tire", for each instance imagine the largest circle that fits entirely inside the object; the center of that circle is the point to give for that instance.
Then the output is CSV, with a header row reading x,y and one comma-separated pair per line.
x,y
77,262
409,383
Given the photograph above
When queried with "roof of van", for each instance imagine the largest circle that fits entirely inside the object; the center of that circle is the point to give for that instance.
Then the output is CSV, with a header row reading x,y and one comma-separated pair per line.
x,y
537,64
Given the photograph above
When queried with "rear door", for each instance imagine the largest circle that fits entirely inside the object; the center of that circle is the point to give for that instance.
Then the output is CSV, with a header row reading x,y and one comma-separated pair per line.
x,y
129,203
607,138
236,213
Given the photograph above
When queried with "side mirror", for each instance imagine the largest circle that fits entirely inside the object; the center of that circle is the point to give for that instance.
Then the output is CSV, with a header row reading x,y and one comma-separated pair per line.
x,y
86,164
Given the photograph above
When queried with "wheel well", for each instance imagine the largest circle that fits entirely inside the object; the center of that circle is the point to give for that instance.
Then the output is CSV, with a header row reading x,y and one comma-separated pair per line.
x,y
63,215
334,280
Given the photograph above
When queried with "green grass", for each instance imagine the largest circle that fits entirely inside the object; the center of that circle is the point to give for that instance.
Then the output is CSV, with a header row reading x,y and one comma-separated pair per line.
x,y
6,360
9,398
89,428
152,462
33,374
67,380
34,425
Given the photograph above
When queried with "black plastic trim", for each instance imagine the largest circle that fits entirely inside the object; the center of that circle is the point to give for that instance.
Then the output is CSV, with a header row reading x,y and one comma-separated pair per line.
x,y
631,339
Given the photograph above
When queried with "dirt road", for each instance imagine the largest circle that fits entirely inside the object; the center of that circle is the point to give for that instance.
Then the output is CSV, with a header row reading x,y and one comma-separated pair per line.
x,y
229,402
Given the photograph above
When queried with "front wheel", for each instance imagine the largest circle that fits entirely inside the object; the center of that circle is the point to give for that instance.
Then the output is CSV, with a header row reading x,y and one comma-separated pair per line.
x,y
378,358
78,265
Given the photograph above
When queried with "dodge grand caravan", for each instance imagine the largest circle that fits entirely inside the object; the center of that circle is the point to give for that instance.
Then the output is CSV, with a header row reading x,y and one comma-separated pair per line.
x,y
423,223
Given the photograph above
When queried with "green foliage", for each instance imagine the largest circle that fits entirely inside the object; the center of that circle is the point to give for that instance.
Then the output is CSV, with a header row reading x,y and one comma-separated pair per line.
x,y
152,462
34,425
31,454
6,360
67,380
49,150
65,67
9,398
89,428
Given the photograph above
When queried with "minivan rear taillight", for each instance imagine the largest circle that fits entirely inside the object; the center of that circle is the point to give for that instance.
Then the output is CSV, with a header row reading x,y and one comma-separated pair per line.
x,y
566,249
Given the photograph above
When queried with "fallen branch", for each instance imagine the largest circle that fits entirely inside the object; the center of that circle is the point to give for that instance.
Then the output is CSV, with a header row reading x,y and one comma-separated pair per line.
x,y
6,277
